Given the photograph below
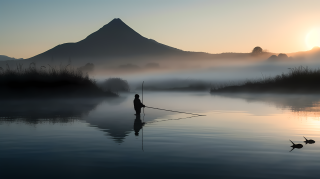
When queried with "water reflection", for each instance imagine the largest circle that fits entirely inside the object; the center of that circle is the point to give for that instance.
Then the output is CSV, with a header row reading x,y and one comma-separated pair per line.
x,y
294,102
138,124
229,142
48,111
120,121
174,119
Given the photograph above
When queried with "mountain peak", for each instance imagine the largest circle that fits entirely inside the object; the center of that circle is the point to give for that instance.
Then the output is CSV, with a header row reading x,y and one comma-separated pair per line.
x,y
115,29
115,39
118,20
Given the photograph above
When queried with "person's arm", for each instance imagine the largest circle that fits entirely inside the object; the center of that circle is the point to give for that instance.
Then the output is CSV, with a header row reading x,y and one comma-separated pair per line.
x,y
142,105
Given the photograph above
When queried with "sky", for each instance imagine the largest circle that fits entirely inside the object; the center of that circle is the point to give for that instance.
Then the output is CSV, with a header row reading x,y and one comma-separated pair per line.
x,y
281,26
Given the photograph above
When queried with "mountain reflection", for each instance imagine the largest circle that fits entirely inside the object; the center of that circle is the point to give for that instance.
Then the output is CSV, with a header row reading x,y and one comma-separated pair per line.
x,y
115,117
48,111
118,121
119,125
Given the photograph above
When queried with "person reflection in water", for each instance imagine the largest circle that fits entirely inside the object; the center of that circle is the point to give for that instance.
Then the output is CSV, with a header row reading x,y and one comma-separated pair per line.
x,y
137,104
138,124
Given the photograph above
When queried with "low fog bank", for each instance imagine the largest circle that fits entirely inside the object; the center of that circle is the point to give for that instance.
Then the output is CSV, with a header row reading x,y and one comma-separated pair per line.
x,y
173,85
158,77
192,72
204,78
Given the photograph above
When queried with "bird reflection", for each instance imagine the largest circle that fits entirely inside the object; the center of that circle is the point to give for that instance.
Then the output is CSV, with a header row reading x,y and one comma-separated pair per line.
x,y
310,141
138,124
294,146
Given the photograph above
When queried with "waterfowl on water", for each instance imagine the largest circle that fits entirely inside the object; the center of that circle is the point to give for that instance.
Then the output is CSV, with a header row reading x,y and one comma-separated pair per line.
x,y
310,141
298,146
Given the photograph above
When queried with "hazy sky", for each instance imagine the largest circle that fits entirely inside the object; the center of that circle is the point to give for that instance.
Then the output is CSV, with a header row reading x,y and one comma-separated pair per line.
x,y
30,27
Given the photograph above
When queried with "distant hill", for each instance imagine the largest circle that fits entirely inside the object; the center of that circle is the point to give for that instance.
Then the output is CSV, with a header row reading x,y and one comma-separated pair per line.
x,y
313,53
5,58
116,45
114,40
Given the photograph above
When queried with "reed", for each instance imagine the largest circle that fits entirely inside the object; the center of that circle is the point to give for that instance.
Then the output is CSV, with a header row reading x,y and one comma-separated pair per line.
x,y
47,81
298,79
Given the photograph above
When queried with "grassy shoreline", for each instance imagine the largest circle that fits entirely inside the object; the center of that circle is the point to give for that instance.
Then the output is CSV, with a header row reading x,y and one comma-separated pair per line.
x,y
298,80
48,82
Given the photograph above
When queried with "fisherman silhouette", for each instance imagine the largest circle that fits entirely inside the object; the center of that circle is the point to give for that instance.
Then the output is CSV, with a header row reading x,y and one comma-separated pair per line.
x,y
137,104
138,124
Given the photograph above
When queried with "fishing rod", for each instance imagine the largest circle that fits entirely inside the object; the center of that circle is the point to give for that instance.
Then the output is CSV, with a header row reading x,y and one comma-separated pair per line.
x,y
143,116
175,111
142,100
142,92
142,138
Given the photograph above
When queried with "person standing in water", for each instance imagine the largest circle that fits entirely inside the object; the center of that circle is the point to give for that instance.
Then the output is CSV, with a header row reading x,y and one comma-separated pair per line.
x,y
137,104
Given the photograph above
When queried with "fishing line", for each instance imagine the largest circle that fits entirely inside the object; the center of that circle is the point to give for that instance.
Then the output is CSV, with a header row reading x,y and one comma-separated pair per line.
x,y
165,109
175,111
171,119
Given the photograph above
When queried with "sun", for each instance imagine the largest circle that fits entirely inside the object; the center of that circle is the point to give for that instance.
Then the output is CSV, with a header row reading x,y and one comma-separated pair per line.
x,y
313,38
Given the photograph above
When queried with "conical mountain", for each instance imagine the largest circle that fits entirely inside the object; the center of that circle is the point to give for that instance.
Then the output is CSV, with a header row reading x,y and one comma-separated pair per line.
x,y
116,30
115,39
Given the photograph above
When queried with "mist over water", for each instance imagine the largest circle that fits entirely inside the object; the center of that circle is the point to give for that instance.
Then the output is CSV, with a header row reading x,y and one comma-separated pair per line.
x,y
241,135
210,72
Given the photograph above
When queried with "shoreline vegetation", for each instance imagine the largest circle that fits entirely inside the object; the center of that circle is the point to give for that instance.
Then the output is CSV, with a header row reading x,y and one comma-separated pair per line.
x,y
48,82
297,80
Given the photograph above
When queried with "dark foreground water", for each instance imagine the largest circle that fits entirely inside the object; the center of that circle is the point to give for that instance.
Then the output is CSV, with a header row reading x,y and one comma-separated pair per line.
x,y
241,136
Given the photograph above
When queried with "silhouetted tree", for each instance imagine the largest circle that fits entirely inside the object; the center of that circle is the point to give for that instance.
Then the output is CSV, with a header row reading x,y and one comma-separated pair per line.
x,y
273,57
129,66
115,85
282,55
152,65
257,50
89,67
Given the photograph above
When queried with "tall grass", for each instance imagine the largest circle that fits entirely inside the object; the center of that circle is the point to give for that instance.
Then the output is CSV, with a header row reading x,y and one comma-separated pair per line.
x,y
299,79
46,80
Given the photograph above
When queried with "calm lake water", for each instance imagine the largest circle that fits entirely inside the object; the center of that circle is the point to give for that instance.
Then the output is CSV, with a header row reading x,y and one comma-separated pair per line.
x,y
240,136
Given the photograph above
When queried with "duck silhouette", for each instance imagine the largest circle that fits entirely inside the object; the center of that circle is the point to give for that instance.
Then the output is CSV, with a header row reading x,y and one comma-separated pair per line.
x,y
310,141
298,146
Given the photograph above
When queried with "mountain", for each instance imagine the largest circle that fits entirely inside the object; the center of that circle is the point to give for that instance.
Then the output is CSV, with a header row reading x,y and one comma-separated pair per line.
x,y
5,58
114,40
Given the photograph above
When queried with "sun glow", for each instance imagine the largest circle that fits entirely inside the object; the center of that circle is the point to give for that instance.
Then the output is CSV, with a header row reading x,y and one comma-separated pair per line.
x,y
313,38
